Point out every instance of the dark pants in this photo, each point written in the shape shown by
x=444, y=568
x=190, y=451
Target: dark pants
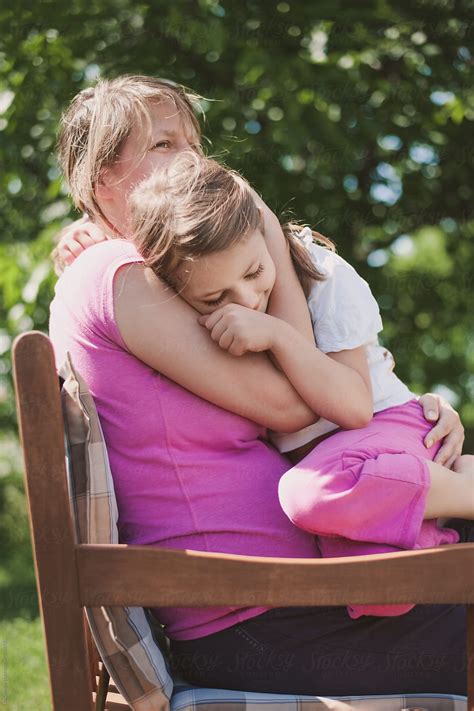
x=322, y=651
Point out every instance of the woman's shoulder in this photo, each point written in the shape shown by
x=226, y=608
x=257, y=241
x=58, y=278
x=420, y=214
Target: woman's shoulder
x=84, y=292
x=100, y=256
x=95, y=265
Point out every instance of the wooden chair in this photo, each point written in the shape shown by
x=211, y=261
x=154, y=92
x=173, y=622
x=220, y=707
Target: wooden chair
x=71, y=576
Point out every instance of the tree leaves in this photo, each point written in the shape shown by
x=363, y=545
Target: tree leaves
x=359, y=119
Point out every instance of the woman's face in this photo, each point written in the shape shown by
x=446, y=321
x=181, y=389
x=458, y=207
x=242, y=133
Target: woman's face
x=167, y=138
x=242, y=274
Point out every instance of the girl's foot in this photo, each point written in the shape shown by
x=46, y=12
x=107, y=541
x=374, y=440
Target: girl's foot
x=464, y=464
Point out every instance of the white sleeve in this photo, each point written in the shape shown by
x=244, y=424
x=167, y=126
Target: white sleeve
x=344, y=312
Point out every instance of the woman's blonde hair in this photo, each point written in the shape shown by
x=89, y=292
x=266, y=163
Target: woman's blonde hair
x=99, y=119
x=197, y=206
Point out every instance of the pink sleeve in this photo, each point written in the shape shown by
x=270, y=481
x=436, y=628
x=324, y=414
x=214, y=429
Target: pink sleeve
x=82, y=310
x=107, y=303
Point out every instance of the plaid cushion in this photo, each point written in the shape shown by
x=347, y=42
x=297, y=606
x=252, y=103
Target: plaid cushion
x=122, y=634
x=128, y=646
x=192, y=699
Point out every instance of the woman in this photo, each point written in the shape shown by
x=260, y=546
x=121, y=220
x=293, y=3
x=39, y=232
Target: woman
x=185, y=424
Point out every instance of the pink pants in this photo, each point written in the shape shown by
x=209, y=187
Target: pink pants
x=364, y=491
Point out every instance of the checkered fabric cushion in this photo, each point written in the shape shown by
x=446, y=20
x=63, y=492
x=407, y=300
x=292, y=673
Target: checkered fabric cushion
x=123, y=635
x=192, y=699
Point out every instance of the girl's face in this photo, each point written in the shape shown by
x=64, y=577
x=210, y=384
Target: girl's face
x=167, y=138
x=242, y=274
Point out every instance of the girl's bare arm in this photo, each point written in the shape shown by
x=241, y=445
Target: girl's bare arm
x=336, y=386
x=287, y=300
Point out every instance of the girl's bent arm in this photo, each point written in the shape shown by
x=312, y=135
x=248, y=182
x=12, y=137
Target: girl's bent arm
x=287, y=300
x=337, y=385
x=160, y=329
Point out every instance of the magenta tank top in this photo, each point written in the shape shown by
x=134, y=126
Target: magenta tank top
x=187, y=474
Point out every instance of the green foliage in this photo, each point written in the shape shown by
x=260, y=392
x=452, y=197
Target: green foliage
x=17, y=579
x=356, y=116
x=13, y=524
x=24, y=679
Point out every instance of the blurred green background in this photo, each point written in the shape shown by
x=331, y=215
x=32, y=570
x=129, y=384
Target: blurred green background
x=356, y=117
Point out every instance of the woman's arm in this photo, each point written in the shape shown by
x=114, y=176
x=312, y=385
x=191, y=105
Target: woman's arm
x=336, y=386
x=160, y=329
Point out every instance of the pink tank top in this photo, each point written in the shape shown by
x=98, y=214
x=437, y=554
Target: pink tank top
x=187, y=474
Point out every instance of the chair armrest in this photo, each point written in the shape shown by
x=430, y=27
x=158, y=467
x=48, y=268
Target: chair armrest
x=157, y=577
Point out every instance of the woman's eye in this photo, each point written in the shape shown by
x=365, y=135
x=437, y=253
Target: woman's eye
x=162, y=144
x=256, y=273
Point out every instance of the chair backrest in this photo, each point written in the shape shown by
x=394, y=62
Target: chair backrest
x=67, y=507
x=72, y=575
x=42, y=434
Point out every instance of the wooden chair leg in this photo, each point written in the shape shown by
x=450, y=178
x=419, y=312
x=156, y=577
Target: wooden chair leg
x=92, y=654
x=102, y=689
x=42, y=434
x=470, y=657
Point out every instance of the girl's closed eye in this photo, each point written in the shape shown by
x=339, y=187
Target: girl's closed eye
x=216, y=302
x=253, y=275
x=256, y=273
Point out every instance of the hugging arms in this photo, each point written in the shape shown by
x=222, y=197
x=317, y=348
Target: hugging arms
x=189, y=474
x=252, y=385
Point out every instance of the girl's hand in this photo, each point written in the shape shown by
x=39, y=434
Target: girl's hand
x=73, y=240
x=238, y=329
x=437, y=409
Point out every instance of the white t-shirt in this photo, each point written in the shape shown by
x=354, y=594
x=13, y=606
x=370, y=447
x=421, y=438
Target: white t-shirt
x=345, y=315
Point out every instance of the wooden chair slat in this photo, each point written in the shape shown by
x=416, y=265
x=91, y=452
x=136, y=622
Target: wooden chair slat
x=94, y=657
x=115, y=702
x=42, y=435
x=206, y=579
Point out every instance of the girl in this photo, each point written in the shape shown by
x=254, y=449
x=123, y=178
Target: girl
x=199, y=229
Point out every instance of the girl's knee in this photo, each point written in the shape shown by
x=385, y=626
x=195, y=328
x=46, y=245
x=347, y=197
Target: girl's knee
x=307, y=501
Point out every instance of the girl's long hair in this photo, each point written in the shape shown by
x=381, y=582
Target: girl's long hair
x=197, y=206
x=300, y=256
